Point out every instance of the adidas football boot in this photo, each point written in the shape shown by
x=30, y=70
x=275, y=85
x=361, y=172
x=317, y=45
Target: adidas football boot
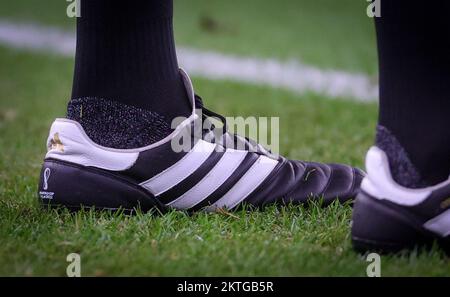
x=388, y=217
x=191, y=169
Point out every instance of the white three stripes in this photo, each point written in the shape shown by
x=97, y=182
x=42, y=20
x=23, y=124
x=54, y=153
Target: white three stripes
x=247, y=184
x=180, y=170
x=224, y=168
x=214, y=179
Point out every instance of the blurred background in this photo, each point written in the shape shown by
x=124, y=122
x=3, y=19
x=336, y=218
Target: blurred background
x=325, y=33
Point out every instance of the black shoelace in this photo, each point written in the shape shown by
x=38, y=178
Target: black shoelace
x=207, y=114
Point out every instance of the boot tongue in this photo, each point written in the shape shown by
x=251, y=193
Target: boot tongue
x=198, y=102
x=189, y=88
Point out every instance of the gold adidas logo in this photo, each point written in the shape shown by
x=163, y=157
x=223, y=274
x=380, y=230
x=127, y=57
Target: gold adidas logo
x=56, y=144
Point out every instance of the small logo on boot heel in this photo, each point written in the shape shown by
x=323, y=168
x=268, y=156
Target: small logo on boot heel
x=56, y=143
x=47, y=173
x=44, y=194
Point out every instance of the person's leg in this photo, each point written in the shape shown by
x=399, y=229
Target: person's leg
x=413, y=139
x=414, y=65
x=126, y=87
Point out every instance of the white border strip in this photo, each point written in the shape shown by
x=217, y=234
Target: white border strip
x=293, y=75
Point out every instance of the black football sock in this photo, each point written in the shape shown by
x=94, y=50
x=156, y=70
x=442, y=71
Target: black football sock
x=414, y=65
x=127, y=87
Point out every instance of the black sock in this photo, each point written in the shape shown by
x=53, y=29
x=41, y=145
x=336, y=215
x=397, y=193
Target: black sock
x=126, y=54
x=414, y=65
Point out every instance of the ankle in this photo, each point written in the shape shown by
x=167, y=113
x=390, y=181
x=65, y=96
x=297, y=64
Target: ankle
x=117, y=125
x=403, y=171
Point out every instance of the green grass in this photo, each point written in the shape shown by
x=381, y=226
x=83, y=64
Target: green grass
x=324, y=33
x=287, y=241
